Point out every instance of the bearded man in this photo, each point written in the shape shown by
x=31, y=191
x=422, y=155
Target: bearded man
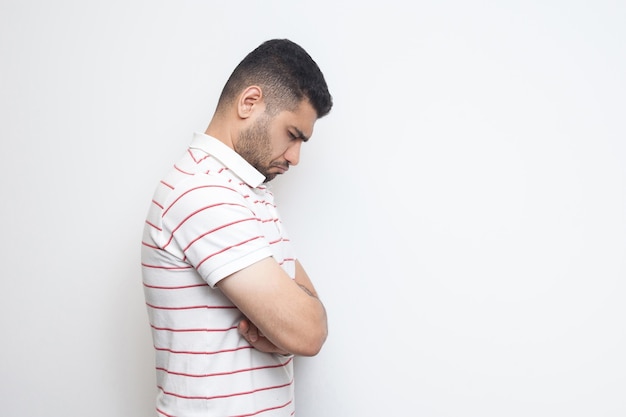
x=228, y=302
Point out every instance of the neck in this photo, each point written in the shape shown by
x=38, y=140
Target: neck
x=221, y=131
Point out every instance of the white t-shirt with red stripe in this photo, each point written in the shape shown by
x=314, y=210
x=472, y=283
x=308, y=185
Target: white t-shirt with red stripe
x=212, y=215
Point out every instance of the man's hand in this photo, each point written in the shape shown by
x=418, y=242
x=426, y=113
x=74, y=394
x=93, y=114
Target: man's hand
x=253, y=335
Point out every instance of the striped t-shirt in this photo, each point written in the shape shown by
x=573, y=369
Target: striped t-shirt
x=210, y=217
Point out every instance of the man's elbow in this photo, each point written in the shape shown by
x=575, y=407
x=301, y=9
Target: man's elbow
x=309, y=344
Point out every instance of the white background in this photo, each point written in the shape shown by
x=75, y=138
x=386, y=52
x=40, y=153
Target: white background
x=461, y=210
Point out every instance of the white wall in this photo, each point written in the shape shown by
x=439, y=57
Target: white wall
x=461, y=210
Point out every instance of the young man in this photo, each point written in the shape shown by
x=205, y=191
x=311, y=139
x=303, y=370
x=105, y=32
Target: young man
x=228, y=302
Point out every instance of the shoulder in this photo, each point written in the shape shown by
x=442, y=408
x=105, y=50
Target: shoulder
x=209, y=197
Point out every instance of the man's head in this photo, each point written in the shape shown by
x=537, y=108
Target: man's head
x=285, y=72
x=270, y=104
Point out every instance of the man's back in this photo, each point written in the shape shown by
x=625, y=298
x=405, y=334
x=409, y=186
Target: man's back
x=206, y=221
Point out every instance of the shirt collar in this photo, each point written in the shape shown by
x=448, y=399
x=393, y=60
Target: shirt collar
x=227, y=156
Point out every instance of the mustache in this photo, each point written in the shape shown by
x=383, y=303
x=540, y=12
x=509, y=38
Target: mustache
x=284, y=165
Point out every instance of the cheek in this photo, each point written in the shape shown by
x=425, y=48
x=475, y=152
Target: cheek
x=278, y=147
x=278, y=154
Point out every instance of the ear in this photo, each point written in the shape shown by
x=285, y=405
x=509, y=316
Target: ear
x=250, y=99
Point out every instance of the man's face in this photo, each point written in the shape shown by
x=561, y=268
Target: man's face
x=271, y=145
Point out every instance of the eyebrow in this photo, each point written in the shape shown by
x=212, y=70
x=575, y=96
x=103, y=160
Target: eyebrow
x=300, y=134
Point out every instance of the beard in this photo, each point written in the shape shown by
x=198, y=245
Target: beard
x=254, y=145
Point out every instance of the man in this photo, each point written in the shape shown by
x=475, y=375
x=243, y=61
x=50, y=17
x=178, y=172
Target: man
x=228, y=302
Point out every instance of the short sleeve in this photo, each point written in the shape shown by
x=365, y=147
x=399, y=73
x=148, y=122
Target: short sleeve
x=213, y=226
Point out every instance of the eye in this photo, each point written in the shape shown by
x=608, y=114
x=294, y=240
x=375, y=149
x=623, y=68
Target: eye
x=296, y=134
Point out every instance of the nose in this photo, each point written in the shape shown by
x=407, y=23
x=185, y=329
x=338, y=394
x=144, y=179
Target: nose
x=292, y=154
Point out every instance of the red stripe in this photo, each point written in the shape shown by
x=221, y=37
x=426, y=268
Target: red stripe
x=186, y=352
x=152, y=225
x=181, y=171
x=273, y=242
x=150, y=246
x=182, y=287
x=189, y=308
x=194, y=189
x=169, y=268
x=278, y=407
x=166, y=184
x=228, y=248
x=165, y=414
x=169, y=329
x=285, y=260
x=197, y=161
x=215, y=397
x=193, y=214
x=223, y=373
x=215, y=230
x=157, y=204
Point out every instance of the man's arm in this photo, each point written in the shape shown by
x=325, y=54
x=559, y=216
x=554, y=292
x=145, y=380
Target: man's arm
x=286, y=311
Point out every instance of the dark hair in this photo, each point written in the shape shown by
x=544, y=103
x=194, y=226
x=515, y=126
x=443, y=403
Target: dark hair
x=285, y=72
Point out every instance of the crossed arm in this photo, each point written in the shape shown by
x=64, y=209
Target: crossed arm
x=282, y=315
